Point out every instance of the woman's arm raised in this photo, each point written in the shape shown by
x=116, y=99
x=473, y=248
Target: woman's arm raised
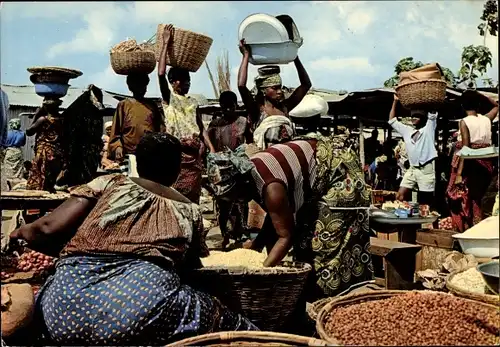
x=247, y=98
x=301, y=91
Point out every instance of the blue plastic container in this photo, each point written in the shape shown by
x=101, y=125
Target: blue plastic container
x=51, y=89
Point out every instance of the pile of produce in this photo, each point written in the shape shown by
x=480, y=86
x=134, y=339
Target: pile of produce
x=132, y=46
x=35, y=261
x=405, y=209
x=470, y=280
x=240, y=257
x=425, y=319
x=446, y=224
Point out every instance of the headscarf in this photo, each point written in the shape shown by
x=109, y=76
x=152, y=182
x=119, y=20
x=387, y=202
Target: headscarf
x=15, y=124
x=266, y=81
x=224, y=168
x=273, y=129
x=108, y=125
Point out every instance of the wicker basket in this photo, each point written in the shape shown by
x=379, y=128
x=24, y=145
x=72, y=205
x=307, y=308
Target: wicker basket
x=422, y=94
x=486, y=298
x=249, y=338
x=316, y=307
x=53, y=70
x=138, y=62
x=187, y=50
x=268, y=296
x=364, y=297
x=49, y=78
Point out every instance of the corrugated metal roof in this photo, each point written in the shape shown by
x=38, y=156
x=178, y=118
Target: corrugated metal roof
x=26, y=96
x=201, y=99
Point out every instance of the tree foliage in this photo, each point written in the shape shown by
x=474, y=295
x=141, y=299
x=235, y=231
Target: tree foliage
x=477, y=57
x=408, y=64
x=489, y=18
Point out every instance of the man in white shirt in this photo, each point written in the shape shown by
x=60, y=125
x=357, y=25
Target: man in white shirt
x=421, y=150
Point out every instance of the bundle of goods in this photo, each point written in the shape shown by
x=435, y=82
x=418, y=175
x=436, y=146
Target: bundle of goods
x=446, y=224
x=408, y=318
x=435, y=279
x=422, y=88
x=403, y=209
x=482, y=240
x=471, y=284
x=52, y=81
x=248, y=338
x=187, y=49
x=128, y=58
x=267, y=296
x=18, y=304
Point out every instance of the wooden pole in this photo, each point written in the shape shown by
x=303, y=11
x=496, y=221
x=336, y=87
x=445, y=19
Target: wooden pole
x=361, y=144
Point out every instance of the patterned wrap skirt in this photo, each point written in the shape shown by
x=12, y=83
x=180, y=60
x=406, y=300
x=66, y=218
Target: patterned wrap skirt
x=114, y=300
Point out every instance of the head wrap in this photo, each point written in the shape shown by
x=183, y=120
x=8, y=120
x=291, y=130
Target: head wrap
x=272, y=130
x=268, y=81
x=108, y=125
x=55, y=102
x=224, y=168
x=15, y=124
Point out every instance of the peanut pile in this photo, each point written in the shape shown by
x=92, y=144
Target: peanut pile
x=415, y=319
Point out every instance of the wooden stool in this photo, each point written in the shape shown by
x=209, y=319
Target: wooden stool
x=399, y=262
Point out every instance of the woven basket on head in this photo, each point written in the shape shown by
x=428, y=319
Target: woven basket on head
x=52, y=70
x=49, y=78
x=249, y=338
x=353, y=299
x=187, y=50
x=137, y=62
x=486, y=298
x=268, y=297
x=422, y=94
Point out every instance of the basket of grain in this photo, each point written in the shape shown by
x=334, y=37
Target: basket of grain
x=267, y=296
x=187, y=50
x=469, y=283
x=408, y=318
x=249, y=338
x=128, y=58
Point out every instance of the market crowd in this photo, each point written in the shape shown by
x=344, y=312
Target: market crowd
x=124, y=243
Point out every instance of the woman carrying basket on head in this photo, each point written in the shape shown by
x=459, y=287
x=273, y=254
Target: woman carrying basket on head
x=269, y=109
x=125, y=243
x=183, y=120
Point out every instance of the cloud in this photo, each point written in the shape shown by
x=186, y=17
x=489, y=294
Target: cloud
x=101, y=24
x=350, y=65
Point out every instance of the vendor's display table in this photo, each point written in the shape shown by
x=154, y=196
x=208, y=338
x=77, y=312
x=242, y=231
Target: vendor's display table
x=31, y=199
x=404, y=228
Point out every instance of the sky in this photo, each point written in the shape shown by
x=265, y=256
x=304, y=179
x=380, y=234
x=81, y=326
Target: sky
x=348, y=45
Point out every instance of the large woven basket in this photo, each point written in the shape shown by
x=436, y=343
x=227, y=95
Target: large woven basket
x=422, y=94
x=249, y=338
x=187, y=50
x=486, y=298
x=136, y=62
x=354, y=299
x=267, y=296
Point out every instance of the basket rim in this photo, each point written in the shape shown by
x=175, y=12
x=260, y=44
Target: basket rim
x=251, y=336
x=185, y=31
x=387, y=293
x=431, y=80
x=292, y=268
x=313, y=310
x=56, y=69
x=488, y=298
x=132, y=52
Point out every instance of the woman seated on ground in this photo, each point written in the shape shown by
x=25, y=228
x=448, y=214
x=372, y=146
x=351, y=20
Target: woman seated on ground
x=117, y=281
x=269, y=109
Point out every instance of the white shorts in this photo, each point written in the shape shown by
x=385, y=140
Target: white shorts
x=423, y=177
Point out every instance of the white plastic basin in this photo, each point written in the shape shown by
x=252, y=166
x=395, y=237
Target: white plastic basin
x=262, y=28
x=480, y=248
x=274, y=53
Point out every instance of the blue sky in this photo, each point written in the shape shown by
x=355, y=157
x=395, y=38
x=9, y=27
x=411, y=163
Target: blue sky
x=348, y=45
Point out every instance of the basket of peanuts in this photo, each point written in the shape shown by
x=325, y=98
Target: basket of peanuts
x=408, y=318
x=129, y=57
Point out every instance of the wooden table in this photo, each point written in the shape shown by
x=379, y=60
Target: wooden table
x=404, y=228
x=20, y=200
x=486, y=156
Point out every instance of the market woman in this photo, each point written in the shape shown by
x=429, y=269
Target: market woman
x=316, y=201
x=117, y=280
x=469, y=179
x=269, y=109
x=184, y=122
x=13, y=160
x=48, y=162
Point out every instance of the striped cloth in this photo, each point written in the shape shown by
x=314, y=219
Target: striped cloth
x=292, y=163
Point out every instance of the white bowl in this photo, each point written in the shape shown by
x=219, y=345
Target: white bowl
x=262, y=28
x=480, y=248
x=274, y=53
